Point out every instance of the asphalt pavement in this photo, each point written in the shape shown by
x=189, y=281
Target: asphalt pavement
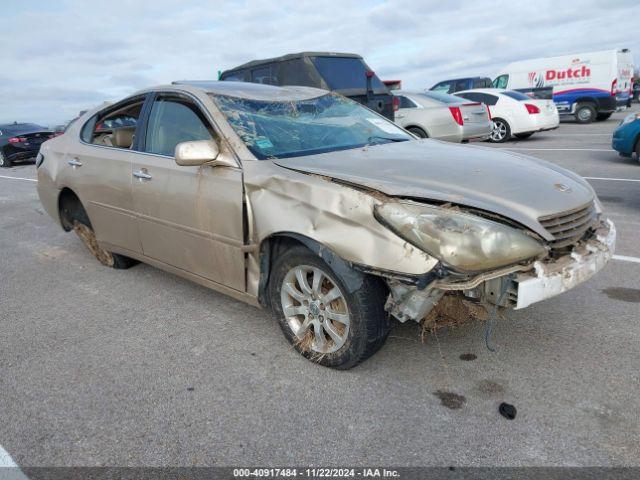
x=141, y=368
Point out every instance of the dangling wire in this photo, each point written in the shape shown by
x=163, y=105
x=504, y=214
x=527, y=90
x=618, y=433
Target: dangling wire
x=494, y=313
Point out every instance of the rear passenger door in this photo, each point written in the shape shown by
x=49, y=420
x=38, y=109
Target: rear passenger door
x=98, y=169
x=189, y=218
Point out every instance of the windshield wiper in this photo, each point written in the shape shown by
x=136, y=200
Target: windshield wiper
x=373, y=139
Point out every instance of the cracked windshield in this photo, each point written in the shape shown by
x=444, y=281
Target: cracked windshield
x=306, y=127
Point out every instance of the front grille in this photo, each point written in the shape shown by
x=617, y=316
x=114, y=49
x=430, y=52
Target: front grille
x=570, y=226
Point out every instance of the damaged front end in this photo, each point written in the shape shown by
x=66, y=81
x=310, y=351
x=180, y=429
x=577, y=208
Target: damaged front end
x=452, y=295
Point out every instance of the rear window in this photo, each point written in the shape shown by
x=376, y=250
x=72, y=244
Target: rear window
x=516, y=95
x=441, y=97
x=345, y=73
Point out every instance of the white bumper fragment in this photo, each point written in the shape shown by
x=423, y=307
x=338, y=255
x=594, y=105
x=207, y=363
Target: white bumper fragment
x=551, y=279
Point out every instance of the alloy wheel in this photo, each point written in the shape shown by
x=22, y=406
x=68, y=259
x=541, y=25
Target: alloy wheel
x=315, y=309
x=499, y=131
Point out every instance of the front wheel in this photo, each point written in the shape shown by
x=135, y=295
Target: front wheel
x=501, y=131
x=4, y=161
x=318, y=315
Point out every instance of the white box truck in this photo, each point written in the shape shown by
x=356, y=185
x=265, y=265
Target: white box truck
x=589, y=86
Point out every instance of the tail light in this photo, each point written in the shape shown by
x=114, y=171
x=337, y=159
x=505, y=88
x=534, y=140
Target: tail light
x=17, y=140
x=532, y=109
x=396, y=103
x=614, y=86
x=457, y=115
x=489, y=112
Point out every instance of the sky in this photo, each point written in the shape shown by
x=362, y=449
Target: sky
x=60, y=57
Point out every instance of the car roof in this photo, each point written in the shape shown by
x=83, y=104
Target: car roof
x=251, y=91
x=291, y=56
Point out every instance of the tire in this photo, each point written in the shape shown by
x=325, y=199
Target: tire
x=82, y=227
x=585, y=113
x=368, y=324
x=523, y=135
x=501, y=131
x=4, y=161
x=418, y=132
x=602, y=116
x=636, y=150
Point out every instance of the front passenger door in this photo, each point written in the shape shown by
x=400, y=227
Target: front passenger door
x=188, y=217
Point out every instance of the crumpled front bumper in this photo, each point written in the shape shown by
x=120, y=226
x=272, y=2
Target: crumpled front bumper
x=548, y=279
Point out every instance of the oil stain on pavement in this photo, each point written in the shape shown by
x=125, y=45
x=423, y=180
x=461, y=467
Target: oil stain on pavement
x=451, y=400
x=631, y=295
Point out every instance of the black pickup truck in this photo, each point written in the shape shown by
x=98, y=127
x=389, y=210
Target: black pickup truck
x=345, y=73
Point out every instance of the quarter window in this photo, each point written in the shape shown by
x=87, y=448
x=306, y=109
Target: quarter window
x=173, y=121
x=115, y=127
x=405, y=102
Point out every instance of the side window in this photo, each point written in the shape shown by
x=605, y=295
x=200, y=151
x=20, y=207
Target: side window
x=172, y=121
x=473, y=96
x=501, y=81
x=264, y=75
x=234, y=77
x=489, y=99
x=405, y=102
x=443, y=87
x=461, y=85
x=114, y=127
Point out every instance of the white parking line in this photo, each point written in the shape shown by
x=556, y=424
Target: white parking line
x=558, y=149
x=20, y=178
x=624, y=258
x=613, y=179
x=9, y=469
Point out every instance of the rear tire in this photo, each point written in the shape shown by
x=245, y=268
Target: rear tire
x=636, y=151
x=418, y=132
x=76, y=217
x=4, y=161
x=305, y=322
x=585, y=113
x=501, y=131
x=523, y=135
x=602, y=116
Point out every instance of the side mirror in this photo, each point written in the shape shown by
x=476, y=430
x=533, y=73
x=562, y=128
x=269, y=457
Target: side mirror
x=189, y=154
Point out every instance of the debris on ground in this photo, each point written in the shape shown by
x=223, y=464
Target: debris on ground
x=507, y=410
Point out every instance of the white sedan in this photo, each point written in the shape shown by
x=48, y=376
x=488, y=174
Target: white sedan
x=514, y=113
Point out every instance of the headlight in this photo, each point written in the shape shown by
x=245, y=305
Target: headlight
x=630, y=118
x=459, y=240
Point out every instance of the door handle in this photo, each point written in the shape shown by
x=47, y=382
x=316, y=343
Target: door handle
x=142, y=174
x=74, y=162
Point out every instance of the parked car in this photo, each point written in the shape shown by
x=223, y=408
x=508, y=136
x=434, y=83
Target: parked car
x=308, y=203
x=588, y=86
x=626, y=138
x=345, y=73
x=21, y=141
x=442, y=116
x=459, y=84
x=514, y=113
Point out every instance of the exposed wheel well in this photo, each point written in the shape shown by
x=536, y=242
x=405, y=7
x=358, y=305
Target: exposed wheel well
x=71, y=209
x=276, y=244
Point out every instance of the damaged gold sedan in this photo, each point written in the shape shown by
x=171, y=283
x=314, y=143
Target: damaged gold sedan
x=307, y=203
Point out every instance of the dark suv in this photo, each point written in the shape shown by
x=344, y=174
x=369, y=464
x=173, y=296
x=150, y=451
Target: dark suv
x=459, y=84
x=345, y=73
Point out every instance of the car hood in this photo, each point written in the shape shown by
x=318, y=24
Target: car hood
x=515, y=186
